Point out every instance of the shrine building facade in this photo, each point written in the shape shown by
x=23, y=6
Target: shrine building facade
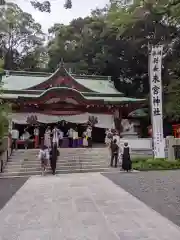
x=51, y=98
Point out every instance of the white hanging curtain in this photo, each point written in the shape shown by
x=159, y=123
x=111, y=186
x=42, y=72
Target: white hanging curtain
x=21, y=118
x=103, y=120
x=79, y=118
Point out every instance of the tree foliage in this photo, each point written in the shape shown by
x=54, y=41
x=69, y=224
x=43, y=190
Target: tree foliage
x=4, y=108
x=115, y=40
x=20, y=35
x=43, y=6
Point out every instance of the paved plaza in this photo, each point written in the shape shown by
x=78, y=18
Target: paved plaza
x=158, y=189
x=80, y=207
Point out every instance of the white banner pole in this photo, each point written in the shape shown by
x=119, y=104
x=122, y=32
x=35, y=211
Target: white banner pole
x=155, y=67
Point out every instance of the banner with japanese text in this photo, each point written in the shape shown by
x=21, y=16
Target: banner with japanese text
x=155, y=66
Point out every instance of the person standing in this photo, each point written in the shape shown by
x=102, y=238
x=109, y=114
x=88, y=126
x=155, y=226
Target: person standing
x=114, y=152
x=85, y=142
x=36, y=137
x=61, y=136
x=70, y=136
x=47, y=137
x=75, y=138
x=54, y=153
x=108, y=137
x=44, y=158
x=15, y=137
x=126, y=158
x=26, y=137
x=89, y=136
x=55, y=137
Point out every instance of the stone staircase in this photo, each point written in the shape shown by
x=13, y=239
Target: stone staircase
x=74, y=160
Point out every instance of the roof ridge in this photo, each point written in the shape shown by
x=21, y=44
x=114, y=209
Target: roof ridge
x=26, y=73
x=93, y=77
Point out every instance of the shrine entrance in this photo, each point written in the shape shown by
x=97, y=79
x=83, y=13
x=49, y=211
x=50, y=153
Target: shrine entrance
x=64, y=123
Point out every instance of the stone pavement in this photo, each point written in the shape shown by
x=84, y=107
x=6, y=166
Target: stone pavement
x=158, y=189
x=80, y=207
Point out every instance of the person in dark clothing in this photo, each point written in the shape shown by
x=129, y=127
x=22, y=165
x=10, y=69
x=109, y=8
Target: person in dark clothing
x=114, y=152
x=126, y=158
x=54, y=153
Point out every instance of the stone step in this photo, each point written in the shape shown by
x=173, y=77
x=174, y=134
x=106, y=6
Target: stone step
x=63, y=160
x=25, y=156
x=69, y=162
x=67, y=156
x=76, y=166
x=59, y=165
x=58, y=171
x=64, y=150
x=26, y=162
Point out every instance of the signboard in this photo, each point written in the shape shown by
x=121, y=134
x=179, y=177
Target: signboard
x=155, y=66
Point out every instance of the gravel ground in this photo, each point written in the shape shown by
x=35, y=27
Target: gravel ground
x=159, y=190
x=8, y=187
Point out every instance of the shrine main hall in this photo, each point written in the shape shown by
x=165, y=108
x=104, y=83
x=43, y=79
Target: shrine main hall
x=63, y=96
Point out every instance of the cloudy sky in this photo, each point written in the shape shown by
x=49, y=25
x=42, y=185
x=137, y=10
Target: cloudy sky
x=81, y=8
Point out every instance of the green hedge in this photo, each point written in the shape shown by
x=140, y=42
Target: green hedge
x=144, y=164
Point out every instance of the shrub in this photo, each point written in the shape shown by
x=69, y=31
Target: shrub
x=155, y=164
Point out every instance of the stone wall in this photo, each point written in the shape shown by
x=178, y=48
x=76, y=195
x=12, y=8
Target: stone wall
x=138, y=143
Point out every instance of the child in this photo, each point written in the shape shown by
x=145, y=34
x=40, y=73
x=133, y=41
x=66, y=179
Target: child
x=44, y=157
x=114, y=152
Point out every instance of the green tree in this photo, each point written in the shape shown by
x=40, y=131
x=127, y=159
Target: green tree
x=43, y=6
x=4, y=108
x=114, y=41
x=20, y=35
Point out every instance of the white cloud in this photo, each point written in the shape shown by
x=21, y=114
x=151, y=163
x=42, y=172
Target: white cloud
x=81, y=8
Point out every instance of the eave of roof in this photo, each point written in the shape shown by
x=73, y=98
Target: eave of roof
x=21, y=82
x=34, y=94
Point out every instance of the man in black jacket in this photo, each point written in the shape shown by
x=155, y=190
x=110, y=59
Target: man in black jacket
x=114, y=152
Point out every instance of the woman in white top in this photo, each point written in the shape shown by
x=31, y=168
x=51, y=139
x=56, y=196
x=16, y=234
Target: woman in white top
x=47, y=137
x=25, y=137
x=89, y=136
x=36, y=137
x=108, y=137
x=55, y=138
